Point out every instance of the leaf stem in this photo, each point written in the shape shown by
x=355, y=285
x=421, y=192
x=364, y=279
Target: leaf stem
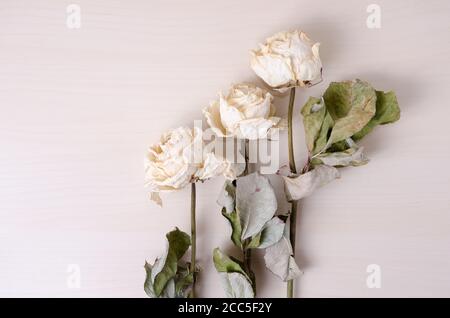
x=193, y=238
x=293, y=168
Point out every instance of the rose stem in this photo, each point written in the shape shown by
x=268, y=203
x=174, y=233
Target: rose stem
x=293, y=218
x=246, y=154
x=247, y=252
x=193, y=238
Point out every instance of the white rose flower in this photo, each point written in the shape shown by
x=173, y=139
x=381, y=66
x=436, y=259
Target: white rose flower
x=180, y=158
x=213, y=166
x=246, y=112
x=287, y=59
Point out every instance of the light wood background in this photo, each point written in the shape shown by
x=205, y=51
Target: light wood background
x=78, y=108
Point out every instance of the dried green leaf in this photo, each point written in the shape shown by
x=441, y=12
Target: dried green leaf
x=223, y=263
x=148, y=284
x=313, y=112
x=338, y=146
x=317, y=123
x=255, y=241
x=169, y=290
x=183, y=281
x=324, y=134
x=387, y=111
x=236, y=230
x=351, y=104
x=178, y=244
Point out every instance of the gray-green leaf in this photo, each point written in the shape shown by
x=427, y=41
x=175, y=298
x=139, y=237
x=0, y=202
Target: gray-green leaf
x=350, y=157
x=256, y=203
x=227, y=197
x=236, y=285
x=301, y=186
x=279, y=259
x=235, y=280
x=271, y=233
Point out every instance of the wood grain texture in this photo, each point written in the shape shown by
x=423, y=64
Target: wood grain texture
x=78, y=107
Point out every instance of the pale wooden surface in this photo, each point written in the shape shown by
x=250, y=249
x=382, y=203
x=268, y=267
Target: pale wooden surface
x=79, y=107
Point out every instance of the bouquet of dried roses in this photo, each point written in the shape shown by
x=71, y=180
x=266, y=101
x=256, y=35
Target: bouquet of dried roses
x=334, y=123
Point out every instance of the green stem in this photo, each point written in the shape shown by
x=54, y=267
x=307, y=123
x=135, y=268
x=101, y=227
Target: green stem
x=246, y=155
x=247, y=252
x=290, y=129
x=193, y=238
x=292, y=234
x=293, y=217
x=248, y=260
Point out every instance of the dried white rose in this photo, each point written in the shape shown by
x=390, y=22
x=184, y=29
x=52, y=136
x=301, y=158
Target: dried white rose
x=287, y=59
x=180, y=158
x=245, y=112
x=212, y=166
